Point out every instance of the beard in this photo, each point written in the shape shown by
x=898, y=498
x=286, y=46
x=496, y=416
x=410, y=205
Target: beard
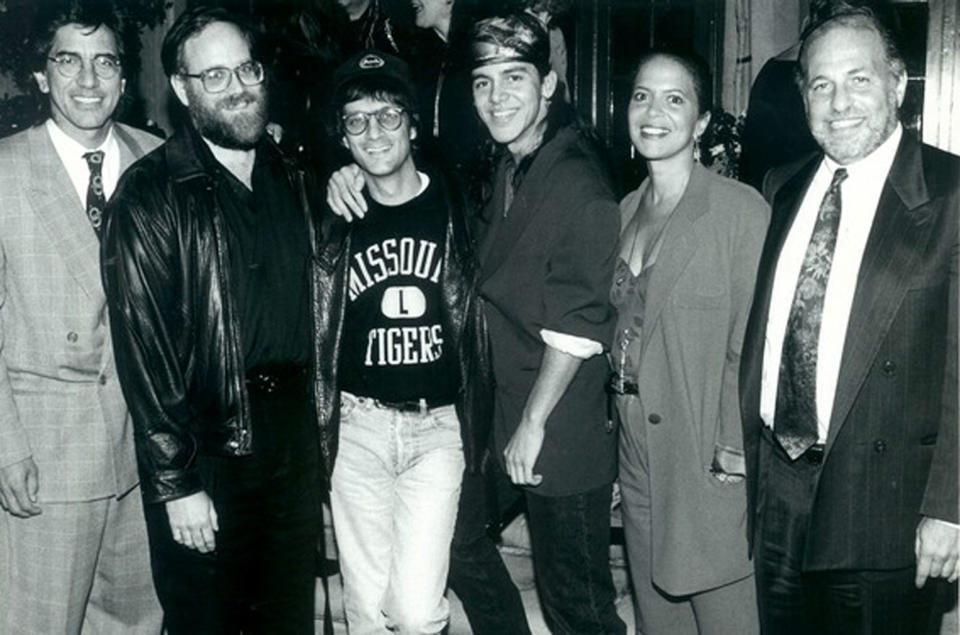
x=225, y=128
x=844, y=147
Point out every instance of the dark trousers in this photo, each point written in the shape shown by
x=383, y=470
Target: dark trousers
x=477, y=573
x=570, y=540
x=841, y=602
x=260, y=579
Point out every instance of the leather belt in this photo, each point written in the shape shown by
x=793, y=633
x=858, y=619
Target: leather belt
x=813, y=455
x=421, y=405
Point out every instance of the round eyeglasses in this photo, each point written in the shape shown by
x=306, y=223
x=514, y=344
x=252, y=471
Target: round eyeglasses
x=217, y=79
x=69, y=65
x=388, y=119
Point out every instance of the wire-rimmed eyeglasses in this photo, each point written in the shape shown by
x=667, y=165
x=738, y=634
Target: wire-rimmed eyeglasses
x=218, y=78
x=389, y=118
x=69, y=65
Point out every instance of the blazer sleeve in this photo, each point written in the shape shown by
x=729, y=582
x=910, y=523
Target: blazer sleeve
x=14, y=446
x=140, y=265
x=753, y=217
x=940, y=498
x=580, y=270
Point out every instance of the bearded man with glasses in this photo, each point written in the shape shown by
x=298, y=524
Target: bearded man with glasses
x=73, y=546
x=206, y=263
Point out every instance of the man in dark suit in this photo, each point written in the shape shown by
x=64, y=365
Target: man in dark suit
x=849, y=374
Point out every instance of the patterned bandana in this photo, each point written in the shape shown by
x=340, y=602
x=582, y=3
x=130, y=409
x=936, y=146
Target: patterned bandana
x=511, y=38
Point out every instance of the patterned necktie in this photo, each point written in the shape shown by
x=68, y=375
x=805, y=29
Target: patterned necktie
x=795, y=421
x=96, y=200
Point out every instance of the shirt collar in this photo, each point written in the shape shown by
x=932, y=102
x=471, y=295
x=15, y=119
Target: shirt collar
x=67, y=146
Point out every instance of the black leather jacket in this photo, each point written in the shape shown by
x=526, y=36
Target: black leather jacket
x=463, y=326
x=175, y=328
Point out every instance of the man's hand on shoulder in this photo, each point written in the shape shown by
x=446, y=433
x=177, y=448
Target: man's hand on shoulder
x=19, y=485
x=344, y=193
x=193, y=521
x=937, y=547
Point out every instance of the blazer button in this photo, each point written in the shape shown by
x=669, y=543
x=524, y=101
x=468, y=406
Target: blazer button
x=72, y=337
x=880, y=446
x=889, y=368
x=103, y=380
x=654, y=418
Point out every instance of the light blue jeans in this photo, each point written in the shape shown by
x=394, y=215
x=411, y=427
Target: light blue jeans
x=395, y=489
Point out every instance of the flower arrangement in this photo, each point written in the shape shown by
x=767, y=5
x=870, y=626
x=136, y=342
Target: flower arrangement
x=719, y=146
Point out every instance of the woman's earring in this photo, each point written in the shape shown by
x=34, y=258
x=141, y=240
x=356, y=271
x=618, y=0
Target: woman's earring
x=696, y=149
x=633, y=152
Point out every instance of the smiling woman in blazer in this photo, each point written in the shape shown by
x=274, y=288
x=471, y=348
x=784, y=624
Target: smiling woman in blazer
x=689, y=248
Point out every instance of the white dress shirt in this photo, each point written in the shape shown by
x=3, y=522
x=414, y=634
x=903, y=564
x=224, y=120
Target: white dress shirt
x=859, y=196
x=71, y=155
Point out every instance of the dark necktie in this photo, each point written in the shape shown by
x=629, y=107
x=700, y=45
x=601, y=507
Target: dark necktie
x=795, y=421
x=96, y=200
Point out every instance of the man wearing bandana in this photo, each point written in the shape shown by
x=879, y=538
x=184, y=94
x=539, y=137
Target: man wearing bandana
x=548, y=235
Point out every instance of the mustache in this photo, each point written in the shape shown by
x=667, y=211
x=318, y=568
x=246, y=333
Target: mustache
x=239, y=99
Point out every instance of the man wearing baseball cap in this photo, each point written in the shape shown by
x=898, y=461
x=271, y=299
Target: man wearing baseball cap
x=399, y=420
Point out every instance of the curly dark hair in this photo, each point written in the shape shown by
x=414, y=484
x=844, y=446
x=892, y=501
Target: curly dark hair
x=92, y=14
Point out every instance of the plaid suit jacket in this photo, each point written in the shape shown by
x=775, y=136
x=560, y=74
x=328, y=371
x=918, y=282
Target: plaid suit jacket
x=60, y=400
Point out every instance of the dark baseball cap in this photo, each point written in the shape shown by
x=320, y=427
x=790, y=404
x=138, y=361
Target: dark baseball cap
x=373, y=64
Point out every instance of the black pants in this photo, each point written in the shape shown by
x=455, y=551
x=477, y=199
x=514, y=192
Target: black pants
x=570, y=541
x=841, y=602
x=260, y=578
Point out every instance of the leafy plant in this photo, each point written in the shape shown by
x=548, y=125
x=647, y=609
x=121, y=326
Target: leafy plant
x=719, y=147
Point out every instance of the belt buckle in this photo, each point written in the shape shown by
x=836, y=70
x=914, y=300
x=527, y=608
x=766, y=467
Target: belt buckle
x=410, y=406
x=263, y=382
x=814, y=454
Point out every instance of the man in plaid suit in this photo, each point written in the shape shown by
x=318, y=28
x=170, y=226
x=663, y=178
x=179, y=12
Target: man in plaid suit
x=73, y=548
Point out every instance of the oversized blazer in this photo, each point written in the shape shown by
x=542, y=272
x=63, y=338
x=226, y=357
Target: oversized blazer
x=547, y=263
x=695, y=312
x=60, y=401
x=891, y=450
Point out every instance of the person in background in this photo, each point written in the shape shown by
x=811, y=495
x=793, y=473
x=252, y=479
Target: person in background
x=775, y=129
x=206, y=262
x=73, y=546
x=369, y=27
x=849, y=372
x=689, y=245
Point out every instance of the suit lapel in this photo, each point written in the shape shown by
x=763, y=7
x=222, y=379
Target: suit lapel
x=130, y=150
x=785, y=204
x=896, y=240
x=679, y=245
x=526, y=205
x=55, y=202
